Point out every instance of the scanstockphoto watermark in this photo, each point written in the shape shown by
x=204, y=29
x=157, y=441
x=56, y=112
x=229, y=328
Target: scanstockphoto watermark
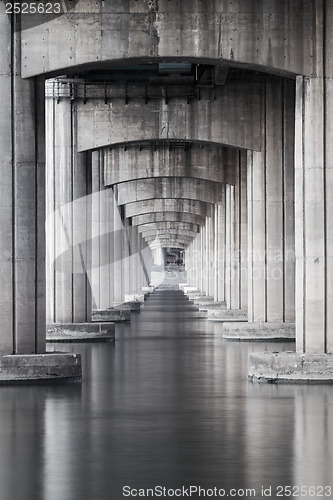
x=187, y=492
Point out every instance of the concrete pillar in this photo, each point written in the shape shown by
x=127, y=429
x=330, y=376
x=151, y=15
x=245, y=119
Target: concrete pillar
x=271, y=254
x=68, y=227
x=314, y=241
x=102, y=237
x=221, y=244
x=22, y=219
x=118, y=285
x=271, y=242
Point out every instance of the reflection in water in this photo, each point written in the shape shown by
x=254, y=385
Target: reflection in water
x=168, y=404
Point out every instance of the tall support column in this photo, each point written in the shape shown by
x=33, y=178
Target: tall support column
x=313, y=359
x=314, y=241
x=118, y=284
x=271, y=254
x=68, y=225
x=102, y=237
x=22, y=219
x=221, y=237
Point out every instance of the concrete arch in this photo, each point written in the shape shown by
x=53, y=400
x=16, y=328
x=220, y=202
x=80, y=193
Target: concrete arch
x=169, y=217
x=169, y=159
x=250, y=33
x=192, y=207
x=159, y=226
x=168, y=187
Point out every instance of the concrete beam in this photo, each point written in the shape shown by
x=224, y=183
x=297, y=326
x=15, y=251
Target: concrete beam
x=248, y=33
x=154, y=206
x=231, y=119
x=168, y=226
x=204, y=161
x=169, y=187
x=162, y=233
x=169, y=217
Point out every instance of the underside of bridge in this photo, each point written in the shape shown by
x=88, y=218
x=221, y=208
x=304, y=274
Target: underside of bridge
x=198, y=129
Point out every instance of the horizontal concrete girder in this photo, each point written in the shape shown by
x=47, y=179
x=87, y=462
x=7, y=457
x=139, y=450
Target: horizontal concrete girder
x=173, y=237
x=158, y=217
x=198, y=161
x=168, y=226
x=171, y=232
x=154, y=206
x=232, y=118
x=169, y=187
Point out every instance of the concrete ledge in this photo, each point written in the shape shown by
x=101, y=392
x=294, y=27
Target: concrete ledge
x=291, y=368
x=275, y=332
x=206, y=305
x=34, y=368
x=133, y=306
x=115, y=315
x=149, y=289
x=225, y=315
x=80, y=332
x=136, y=297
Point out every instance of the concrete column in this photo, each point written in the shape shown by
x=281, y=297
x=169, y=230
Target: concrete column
x=118, y=286
x=221, y=243
x=230, y=215
x=211, y=254
x=271, y=259
x=314, y=240
x=102, y=237
x=22, y=221
x=68, y=219
x=22, y=246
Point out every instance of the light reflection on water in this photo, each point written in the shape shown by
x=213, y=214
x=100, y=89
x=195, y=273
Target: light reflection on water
x=168, y=404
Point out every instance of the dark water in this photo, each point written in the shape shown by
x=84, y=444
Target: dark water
x=167, y=405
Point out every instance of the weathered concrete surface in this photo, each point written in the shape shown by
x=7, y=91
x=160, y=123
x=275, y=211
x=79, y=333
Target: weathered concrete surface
x=226, y=315
x=291, y=367
x=128, y=306
x=278, y=35
x=159, y=217
x=101, y=124
x=259, y=331
x=80, y=332
x=113, y=314
x=33, y=368
x=169, y=187
x=161, y=205
x=201, y=162
x=22, y=206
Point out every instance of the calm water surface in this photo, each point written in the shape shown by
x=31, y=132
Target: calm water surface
x=167, y=405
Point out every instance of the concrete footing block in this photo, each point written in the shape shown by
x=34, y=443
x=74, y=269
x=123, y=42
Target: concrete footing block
x=80, y=332
x=291, y=367
x=222, y=314
x=136, y=297
x=132, y=306
x=34, y=368
x=115, y=315
x=243, y=331
x=188, y=289
x=183, y=285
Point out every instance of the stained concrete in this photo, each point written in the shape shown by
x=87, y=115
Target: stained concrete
x=113, y=314
x=291, y=367
x=34, y=368
x=259, y=331
x=80, y=332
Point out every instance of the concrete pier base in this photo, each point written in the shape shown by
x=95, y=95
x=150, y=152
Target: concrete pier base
x=224, y=315
x=111, y=315
x=133, y=306
x=291, y=367
x=80, y=332
x=33, y=368
x=275, y=332
x=136, y=297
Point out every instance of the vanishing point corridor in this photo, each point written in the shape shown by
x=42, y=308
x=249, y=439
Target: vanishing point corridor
x=168, y=404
